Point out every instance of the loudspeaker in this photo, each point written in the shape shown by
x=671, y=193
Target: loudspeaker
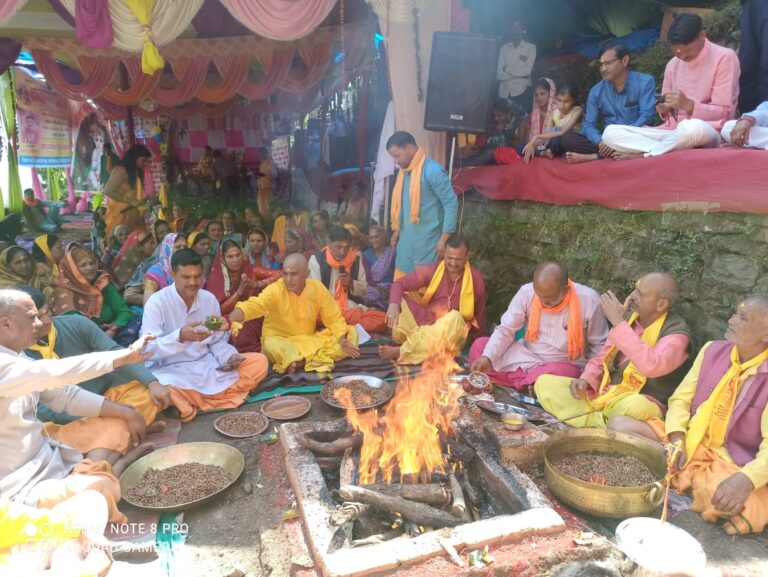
x=462, y=77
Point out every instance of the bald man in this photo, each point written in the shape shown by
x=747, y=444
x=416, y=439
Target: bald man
x=639, y=367
x=547, y=306
x=292, y=307
x=719, y=418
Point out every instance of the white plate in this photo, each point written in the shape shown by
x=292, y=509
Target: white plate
x=659, y=547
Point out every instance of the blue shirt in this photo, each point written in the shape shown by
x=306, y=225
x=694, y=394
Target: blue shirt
x=635, y=105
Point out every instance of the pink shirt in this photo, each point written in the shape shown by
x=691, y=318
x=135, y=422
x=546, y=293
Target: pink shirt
x=711, y=80
x=669, y=353
x=508, y=355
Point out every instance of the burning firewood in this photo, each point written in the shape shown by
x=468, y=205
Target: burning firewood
x=329, y=463
x=459, y=506
x=348, y=512
x=331, y=448
x=417, y=512
x=460, y=451
x=431, y=494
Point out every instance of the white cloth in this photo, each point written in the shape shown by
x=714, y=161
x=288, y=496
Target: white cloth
x=514, y=68
x=507, y=354
x=186, y=365
x=690, y=133
x=760, y=114
x=385, y=165
x=758, y=135
x=29, y=457
x=359, y=286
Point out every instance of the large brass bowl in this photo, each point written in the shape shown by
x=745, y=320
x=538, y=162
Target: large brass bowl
x=224, y=456
x=599, y=500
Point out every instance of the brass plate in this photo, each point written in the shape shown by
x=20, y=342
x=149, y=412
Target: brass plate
x=259, y=420
x=373, y=382
x=286, y=408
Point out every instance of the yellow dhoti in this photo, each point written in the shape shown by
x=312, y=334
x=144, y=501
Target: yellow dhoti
x=555, y=395
x=418, y=342
x=319, y=352
x=110, y=433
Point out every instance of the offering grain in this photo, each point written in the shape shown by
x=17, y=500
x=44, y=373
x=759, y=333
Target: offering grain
x=607, y=469
x=177, y=485
x=241, y=424
x=359, y=392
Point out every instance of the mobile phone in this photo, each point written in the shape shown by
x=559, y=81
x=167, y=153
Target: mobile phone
x=660, y=98
x=529, y=400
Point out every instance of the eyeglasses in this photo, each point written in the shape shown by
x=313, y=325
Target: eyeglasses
x=604, y=63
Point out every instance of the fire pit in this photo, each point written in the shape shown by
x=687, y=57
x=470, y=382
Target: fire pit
x=383, y=489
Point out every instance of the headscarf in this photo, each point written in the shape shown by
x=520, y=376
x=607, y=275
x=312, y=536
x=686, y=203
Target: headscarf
x=551, y=107
x=193, y=237
x=42, y=243
x=133, y=239
x=265, y=260
x=129, y=258
x=221, y=282
x=40, y=279
x=161, y=271
x=73, y=291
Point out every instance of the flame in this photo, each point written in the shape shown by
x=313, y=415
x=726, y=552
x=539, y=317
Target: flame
x=407, y=439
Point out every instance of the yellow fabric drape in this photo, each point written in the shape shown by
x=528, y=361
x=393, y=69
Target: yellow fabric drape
x=47, y=351
x=151, y=61
x=467, y=296
x=42, y=243
x=632, y=380
x=414, y=190
x=278, y=231
x=711, y=418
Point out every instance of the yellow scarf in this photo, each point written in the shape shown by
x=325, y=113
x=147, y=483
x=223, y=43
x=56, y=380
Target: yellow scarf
x=711, y=418
x=414, y=189
x=278, y=231
x=42, y=243
x=139, y=189
x=467, y=297
x=632, y=380
x=47, y=351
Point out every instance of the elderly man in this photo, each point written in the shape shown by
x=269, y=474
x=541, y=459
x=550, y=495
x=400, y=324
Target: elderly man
x=637, y=369
x=292, y=308
x=72, y=335
x=565, y=327
x=424, y=206
x=202, y=369
x=623, y=96
x=719, y=418
x=453, y=301
x=341, y=270
x=41, y=471
x=700, y=93
x=750, y=130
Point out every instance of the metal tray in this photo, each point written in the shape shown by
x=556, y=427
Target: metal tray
x=499, y=408
x=263, y=423
x=373, y=382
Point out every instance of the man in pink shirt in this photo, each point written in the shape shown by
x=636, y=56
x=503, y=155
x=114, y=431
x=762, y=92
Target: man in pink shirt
x=518, y=363
x=642, y=362
x=700, y=93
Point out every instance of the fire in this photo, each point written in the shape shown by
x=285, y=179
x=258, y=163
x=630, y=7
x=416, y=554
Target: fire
x=407, y=439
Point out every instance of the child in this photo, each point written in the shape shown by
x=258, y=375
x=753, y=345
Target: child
x=567, y=117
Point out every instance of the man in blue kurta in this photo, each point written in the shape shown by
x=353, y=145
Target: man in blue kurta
x=424, y=206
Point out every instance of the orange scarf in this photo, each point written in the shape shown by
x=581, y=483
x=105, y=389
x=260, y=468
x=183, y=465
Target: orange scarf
x=575, y=331
x=341, y=294
x=414, y=189
x=31, y=203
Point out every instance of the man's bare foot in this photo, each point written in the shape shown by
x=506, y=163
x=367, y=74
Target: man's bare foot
x=578, y=158
x=156, y=427
x=546, y=153
x=627, y=155
x=131, y=457
x=389, y=353
x=295, y=367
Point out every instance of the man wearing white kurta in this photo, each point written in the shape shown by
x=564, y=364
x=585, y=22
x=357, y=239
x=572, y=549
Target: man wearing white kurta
x=750, y=130
x=202, y=370
x=516, y=60
x=34, y=468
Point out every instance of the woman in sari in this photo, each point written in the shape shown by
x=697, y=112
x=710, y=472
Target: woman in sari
x=320, y=223
x=232, y=280
x=159, y=229
x=200, y=242
x=124, y=189
x=47, y=250
x=379, y=262
x=159, y=275
x=257, y=247
x=113, y=245
x=83, y=287
x=139, y=246
x=296, y=240
x=541, y=119
x=17, y=267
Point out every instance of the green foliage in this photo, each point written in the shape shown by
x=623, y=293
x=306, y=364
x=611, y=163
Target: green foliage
x=653, y=61
x=723, y=25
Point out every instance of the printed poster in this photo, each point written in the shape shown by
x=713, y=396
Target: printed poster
x=91, y=136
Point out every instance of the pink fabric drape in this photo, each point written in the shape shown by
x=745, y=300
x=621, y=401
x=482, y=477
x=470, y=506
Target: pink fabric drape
x=280, y=19
x=461, y=18
x=93, y=23
x=8, y=9
x=190, y=74
x=275, y=66
x=37, y=186
x=233, y=71
x=97, y=75
x=141, y=85
x=316, y=58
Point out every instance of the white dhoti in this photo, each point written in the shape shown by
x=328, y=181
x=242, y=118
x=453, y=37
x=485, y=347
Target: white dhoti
x=758, y=135
x=690, y=133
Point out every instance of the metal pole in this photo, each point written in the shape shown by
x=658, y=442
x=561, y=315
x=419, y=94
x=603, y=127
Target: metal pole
x=450, y=162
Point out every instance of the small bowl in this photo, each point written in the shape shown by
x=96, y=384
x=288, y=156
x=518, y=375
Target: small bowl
x=513, y=420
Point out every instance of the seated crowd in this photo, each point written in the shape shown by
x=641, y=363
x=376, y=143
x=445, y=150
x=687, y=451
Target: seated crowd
x=695, y=107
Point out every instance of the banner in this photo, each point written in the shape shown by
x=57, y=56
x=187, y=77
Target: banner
x=91, y=137
x=42, y=121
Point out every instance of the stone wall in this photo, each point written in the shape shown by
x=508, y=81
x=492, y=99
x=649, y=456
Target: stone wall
x=718, y=258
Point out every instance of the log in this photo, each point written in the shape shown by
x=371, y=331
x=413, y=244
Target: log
x=460, y=451
x=458, y=506
x=329, y=463
x=348, y=512
x=348, y=469
x=469, y=489
x=431, y=494
x=331, y=448
x=380, y=538
x=419, y=513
